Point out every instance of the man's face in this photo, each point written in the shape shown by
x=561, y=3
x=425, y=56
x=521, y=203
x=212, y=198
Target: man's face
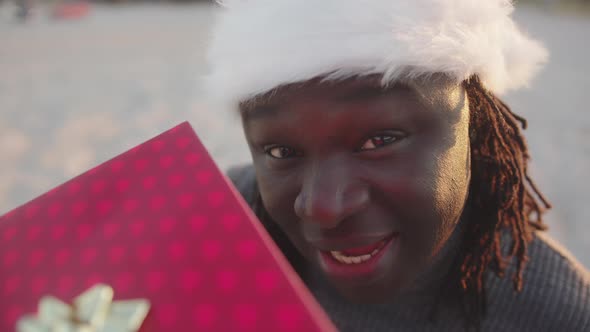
x=367, y=183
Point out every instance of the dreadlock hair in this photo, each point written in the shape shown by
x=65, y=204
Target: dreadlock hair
x=504, y=202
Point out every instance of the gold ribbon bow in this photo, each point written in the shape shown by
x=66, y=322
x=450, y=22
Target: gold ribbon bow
x=92, y=311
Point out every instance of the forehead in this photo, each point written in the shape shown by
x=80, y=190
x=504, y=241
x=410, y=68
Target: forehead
x=343, y=90
x=436, y=91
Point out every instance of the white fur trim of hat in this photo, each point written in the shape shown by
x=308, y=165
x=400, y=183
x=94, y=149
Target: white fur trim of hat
x=258, y=45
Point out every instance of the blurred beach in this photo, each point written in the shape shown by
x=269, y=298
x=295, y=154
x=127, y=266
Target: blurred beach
x=77, y=92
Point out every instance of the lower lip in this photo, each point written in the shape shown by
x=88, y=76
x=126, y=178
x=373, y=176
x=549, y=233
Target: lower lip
x=364, y=269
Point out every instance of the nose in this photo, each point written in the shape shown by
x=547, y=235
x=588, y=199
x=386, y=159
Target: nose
x=329, y=194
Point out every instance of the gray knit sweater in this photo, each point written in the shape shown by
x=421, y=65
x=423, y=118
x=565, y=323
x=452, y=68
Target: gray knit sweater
x=555, y=296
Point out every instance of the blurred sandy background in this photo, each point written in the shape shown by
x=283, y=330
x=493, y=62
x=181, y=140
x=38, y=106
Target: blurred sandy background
x=74, y=93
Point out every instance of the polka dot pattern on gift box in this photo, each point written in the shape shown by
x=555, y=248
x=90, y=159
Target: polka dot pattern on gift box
x=157, y=222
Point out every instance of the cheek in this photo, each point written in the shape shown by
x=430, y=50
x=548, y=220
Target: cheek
x=278, y=197
x=278, y=201
x=445, y=185
x=426, y=201
x=451, y=185
x=410, y=201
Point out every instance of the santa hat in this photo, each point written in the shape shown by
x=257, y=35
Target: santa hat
x=258, y=45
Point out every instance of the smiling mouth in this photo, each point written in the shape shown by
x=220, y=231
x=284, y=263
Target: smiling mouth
x=360, y=254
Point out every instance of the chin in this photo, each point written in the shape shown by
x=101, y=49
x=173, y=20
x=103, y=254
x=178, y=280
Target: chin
x=369, y=293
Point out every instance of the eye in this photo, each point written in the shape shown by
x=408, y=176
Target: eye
x=280, y=151
x=378, y=141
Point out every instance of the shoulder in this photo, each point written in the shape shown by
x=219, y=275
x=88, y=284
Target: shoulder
x=556, y=289
x=551, y=264
x=544, y=247
x=562, y=280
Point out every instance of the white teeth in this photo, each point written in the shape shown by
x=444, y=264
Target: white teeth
x=356, y=259
x=339, y=256
x=347, y=260
x=342, y=258
x=365, y=257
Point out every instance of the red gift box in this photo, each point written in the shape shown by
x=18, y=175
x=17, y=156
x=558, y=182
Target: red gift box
x=162, y=223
